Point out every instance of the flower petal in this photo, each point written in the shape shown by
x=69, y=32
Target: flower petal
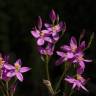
x=69, y=55
x=24, y=69
x=53, y=15
x=82, y=45
x=47, y=25
x=40, y=41
x=74, y=85
x=45, y=31
x=9, y=67
x=48, y=39
x=10, y=74
x=82, y=64
x=18, y=62
x=19, y=76
x=73, y=42
x=87, y=60
x=83, y=87
x=66, y=48
x=36, y=34
x=56, y=38
x=80, y=70
x=62, y=54
x=70, y=79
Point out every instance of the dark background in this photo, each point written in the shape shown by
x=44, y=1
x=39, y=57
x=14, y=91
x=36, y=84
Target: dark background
x=17, y=17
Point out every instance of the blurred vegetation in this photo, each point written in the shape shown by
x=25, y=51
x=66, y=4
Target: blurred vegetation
x=17, y=17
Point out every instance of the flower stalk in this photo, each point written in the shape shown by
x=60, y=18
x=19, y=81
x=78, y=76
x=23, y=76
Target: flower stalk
x=61, y=78
x=47, y=68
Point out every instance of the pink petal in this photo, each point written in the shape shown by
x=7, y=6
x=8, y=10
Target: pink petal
x=19, y=76
x=18, y=62
x=70, y=80
x=9, y=67
x=79, y=70
x=56, y=38
x=65, y=47
x=73, y=42
x=47, y=25
x=82, y=45
x=10, y=74
x=74, y=85
x=70, y=55
x=82, y=64
x=83, y=88
x=54, y=34
x=48, y=39
x=87, y=60
x=36, y=33
x=62, y=54
x=24, y=69
x=40, y=41
x=45, y=31
x=53, y=15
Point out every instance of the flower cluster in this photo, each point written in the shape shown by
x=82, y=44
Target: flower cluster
x=47, y=35
x=74, y=54
x=7, y=70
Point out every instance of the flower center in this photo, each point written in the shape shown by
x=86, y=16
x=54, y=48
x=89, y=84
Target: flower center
x=42, y=33
x=17, y=67
x=55, y=28
x=80, y=58
x=74, y=49
x=79, y=77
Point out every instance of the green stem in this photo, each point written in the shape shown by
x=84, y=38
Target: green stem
x=13, y=84
x=7, y=89
x=71, y=93
x=47, y=68
x=59, y=82
x=61, y=78
x=2, y=88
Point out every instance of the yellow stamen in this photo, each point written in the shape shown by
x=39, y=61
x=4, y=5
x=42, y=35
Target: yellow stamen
x=17, y=67
x=54, y=28
x=74, y=49
x=41, y=34
x=79, y=77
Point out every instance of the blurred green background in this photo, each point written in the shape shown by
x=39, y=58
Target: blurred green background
x=17, y=17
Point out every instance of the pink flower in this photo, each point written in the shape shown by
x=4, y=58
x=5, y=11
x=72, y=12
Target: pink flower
x=79, y=59
x=54, y=30
x=47, y=50
x=73, y=46
x=78, y=82
x=41, y=35
x=16, y=70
